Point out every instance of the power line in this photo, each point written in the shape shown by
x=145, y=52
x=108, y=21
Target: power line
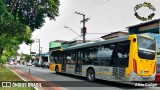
x=77, y=37
x=96, y=33
x=71, y=30
x=64, y=21
x=96, y=2
x=70, y=17
x=101, y=3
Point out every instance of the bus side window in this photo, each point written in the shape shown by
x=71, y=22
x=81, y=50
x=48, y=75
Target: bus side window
x=73, y=58
x=114, y=57
x=68, y=59
x=107, y=53
x=90, y=55
x=52, y=57
x=123, y=54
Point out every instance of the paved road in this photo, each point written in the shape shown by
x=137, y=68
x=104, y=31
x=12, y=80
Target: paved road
x=75, y=82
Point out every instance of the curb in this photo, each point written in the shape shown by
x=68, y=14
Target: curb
x=27, y=77
x=19, y=76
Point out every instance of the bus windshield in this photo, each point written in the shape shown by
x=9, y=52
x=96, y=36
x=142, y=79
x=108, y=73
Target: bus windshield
x=146, y=48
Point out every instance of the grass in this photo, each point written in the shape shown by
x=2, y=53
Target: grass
x=7, y=75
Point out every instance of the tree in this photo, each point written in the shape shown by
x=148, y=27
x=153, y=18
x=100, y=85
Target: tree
x=32, y=12
x=27, y=57
x=19, y=18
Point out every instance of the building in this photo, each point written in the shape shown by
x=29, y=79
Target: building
x=44, y=57
x=114, y=35
x=152, y=26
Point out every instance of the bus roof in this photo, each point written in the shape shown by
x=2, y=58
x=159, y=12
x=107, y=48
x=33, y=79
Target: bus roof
x=90, y=44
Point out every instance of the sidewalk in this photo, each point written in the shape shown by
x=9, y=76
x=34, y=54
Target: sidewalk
x=27, y=77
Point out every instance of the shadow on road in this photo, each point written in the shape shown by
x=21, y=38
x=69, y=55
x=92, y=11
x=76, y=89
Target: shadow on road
x=97, y=83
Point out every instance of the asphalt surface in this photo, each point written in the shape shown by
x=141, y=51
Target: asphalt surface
x=72, y=82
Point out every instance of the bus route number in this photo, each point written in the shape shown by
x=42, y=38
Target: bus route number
x=105, y=69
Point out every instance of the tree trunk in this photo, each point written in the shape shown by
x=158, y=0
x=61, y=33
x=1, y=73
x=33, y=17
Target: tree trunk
x=1, y=51
x=13, y=6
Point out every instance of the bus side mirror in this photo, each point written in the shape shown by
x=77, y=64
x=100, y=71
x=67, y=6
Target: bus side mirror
x=134, y=40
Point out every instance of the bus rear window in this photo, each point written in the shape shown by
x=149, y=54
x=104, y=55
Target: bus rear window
x=146, y=48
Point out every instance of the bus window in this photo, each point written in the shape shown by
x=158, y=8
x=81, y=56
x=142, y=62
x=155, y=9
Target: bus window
x=60, y=57
x=146, y=48
x=71, y=57
x=107, y=53
x=90, y=55
x=56, y=58
x=123, y=53
x=120, y=54
x=52, y=57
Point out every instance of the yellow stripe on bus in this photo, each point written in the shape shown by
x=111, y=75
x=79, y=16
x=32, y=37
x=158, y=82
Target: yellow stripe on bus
x=69, y=68
x=103, y=72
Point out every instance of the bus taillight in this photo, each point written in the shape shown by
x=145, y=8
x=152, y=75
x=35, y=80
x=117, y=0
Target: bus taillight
x=134, y=66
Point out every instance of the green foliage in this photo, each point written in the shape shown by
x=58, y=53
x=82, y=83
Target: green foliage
x=3, y=59
x=33, y=12
x=18, y=19
x=27, y=57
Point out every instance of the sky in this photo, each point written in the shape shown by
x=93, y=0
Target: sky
x=106, y=16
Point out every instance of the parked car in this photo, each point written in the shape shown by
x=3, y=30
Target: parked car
x=15, y=63
x=11, y=63
x=45, y=65
x=29, y=64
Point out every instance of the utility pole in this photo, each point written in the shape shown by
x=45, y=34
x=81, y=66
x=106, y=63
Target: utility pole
x=30, y=49
x=83, y=30
x=39, y=48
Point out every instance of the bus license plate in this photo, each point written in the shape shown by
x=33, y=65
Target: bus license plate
x=145, y=78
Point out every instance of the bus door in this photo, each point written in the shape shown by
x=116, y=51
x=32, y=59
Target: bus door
x=64, y=62
x=71, y=62
x=79, y=62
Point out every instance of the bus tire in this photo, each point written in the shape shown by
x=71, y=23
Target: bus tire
x=56, y=69
x=90, y=75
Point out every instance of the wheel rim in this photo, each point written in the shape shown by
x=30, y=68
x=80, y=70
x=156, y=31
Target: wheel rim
x=91, y=75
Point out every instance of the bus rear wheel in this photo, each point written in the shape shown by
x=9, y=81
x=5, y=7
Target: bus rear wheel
x=91, y=75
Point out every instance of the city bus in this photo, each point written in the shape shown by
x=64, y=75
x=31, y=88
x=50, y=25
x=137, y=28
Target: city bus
x=126, y=58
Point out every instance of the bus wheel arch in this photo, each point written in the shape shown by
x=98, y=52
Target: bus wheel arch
x=90, y=74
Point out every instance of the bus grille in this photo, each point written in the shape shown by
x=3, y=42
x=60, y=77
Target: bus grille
x=119, y=72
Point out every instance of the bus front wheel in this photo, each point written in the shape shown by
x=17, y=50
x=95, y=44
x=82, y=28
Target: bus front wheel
x=56, y=69
x=91, y=75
